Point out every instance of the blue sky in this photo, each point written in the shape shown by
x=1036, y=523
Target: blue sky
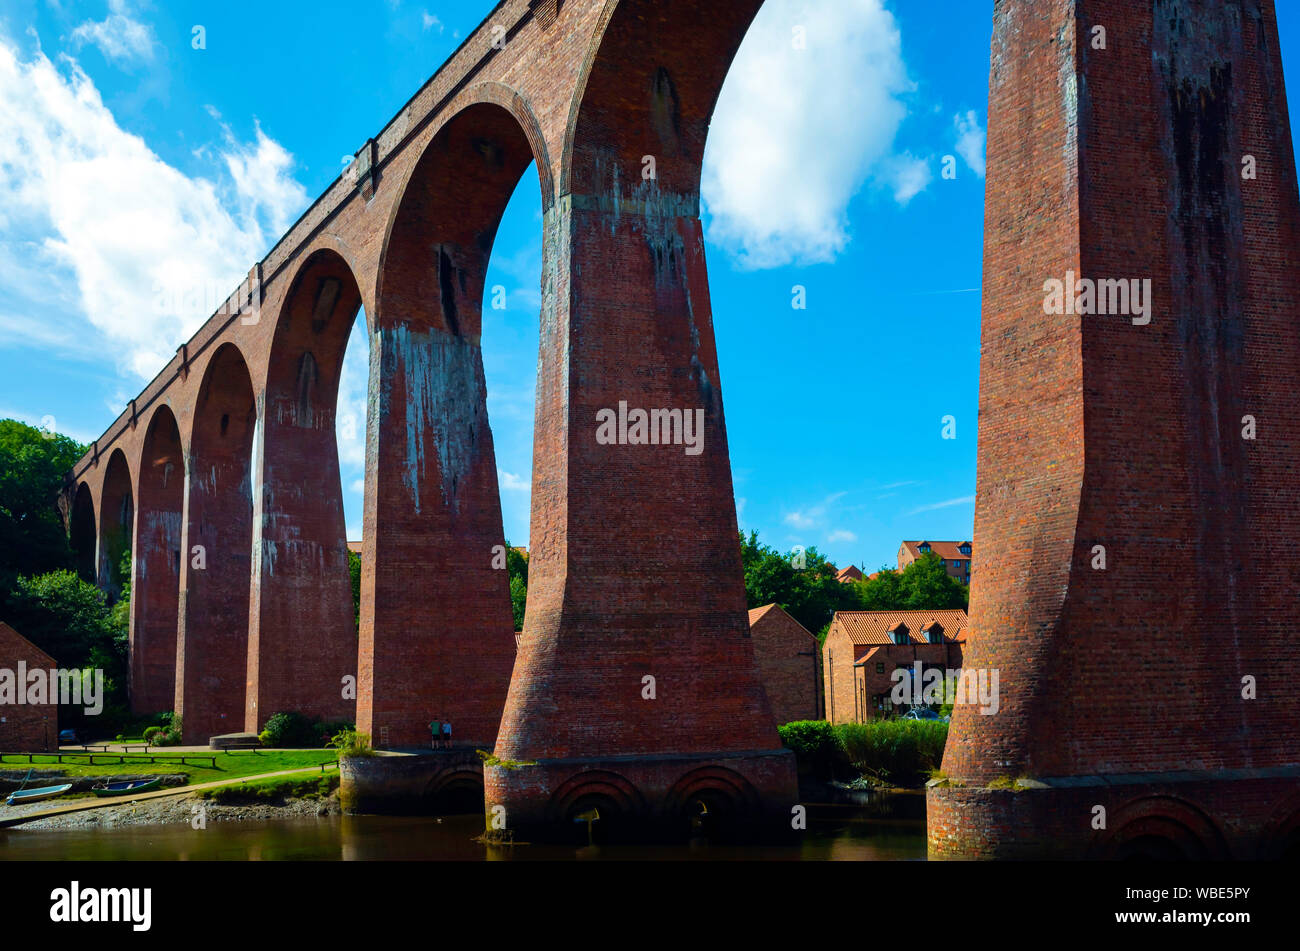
x=132, y=163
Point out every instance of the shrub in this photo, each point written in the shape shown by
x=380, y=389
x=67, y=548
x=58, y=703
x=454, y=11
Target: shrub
x=264, y=737
x=172, y=736
x=327, y=730
x=290, y=729
x=815, y=746
x=352, y=743
x=900, y=752
x=151, y=732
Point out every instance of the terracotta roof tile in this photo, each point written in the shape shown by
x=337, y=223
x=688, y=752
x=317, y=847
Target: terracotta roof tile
x=950, y=551
x=873, y=627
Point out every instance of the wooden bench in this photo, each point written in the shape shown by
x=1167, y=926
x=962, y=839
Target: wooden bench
x=127, y=749
x=243, y=745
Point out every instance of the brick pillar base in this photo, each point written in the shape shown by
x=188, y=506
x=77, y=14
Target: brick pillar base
x=743, y=797
x=1162, y=816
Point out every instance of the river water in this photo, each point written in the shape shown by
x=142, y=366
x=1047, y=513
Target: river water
x=841, y=835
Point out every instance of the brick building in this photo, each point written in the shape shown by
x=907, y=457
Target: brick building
x=26, y=727
x=956, y=556
x=863, y=648
x=785, y=654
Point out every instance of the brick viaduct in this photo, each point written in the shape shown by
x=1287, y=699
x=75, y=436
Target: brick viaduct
x=1120, y=688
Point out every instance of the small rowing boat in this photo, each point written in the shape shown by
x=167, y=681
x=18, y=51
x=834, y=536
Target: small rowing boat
x=125, y=788
x=37, y=794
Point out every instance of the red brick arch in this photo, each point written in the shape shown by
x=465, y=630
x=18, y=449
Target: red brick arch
x=83, y=532
x=212, y=634
x=1160, y=827
x=432, y=500
x=601, y=786
x=1092, y=431
x=302, y=638
x=116, y=523
x=156, y=564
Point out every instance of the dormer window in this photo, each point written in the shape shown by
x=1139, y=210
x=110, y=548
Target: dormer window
x=923, y=548
x=965, y=548
x=900, y=634
x=934, y=633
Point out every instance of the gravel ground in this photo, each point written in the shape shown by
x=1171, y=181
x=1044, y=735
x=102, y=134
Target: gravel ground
x=171, y=810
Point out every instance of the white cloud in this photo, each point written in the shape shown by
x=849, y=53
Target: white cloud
x=841, y=535
x=264, y=182
x=798, y=132
x=813, y=515
x=430, y=21
x=971, y=140
x=513, y=483
x=905, y=175
x=144, y=252
x=947, y=503
x=119, y=37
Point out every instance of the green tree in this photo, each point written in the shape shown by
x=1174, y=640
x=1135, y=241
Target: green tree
x=33, y=464
x=354, y=572
x=517, y=569
x=71, y=621
x=803, y=584
x=924, y=585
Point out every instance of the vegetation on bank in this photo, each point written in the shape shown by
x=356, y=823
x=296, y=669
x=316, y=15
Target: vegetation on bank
x=274, y=790
x=229, y=765
x=290, y=730
x=885, y=752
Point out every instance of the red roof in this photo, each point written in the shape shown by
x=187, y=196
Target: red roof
x=874, y=627
x=950, y=551
x=851, y=573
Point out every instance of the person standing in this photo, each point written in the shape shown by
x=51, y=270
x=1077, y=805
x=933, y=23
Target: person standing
x=446, y=734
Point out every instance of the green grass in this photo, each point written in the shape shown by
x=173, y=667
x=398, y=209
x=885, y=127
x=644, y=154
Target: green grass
x=230, y=765
x=276, y=789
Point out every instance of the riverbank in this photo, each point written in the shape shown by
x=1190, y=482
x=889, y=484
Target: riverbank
x=177, y=809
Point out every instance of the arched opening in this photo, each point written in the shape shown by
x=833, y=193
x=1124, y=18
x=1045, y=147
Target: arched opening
x=82, y=534
x=1158, y=829
x=116, y=526
x=212, y=640
x=301, y=597
x=155, y=587
x=455, y=794
x=596, y=808
x=434, y=501
x=712, y=805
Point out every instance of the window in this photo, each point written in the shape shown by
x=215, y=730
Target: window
x=965, y=549
x=924, y=547
x=880, y=668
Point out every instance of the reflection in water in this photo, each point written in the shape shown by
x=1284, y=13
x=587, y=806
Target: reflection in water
x=838, y=837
